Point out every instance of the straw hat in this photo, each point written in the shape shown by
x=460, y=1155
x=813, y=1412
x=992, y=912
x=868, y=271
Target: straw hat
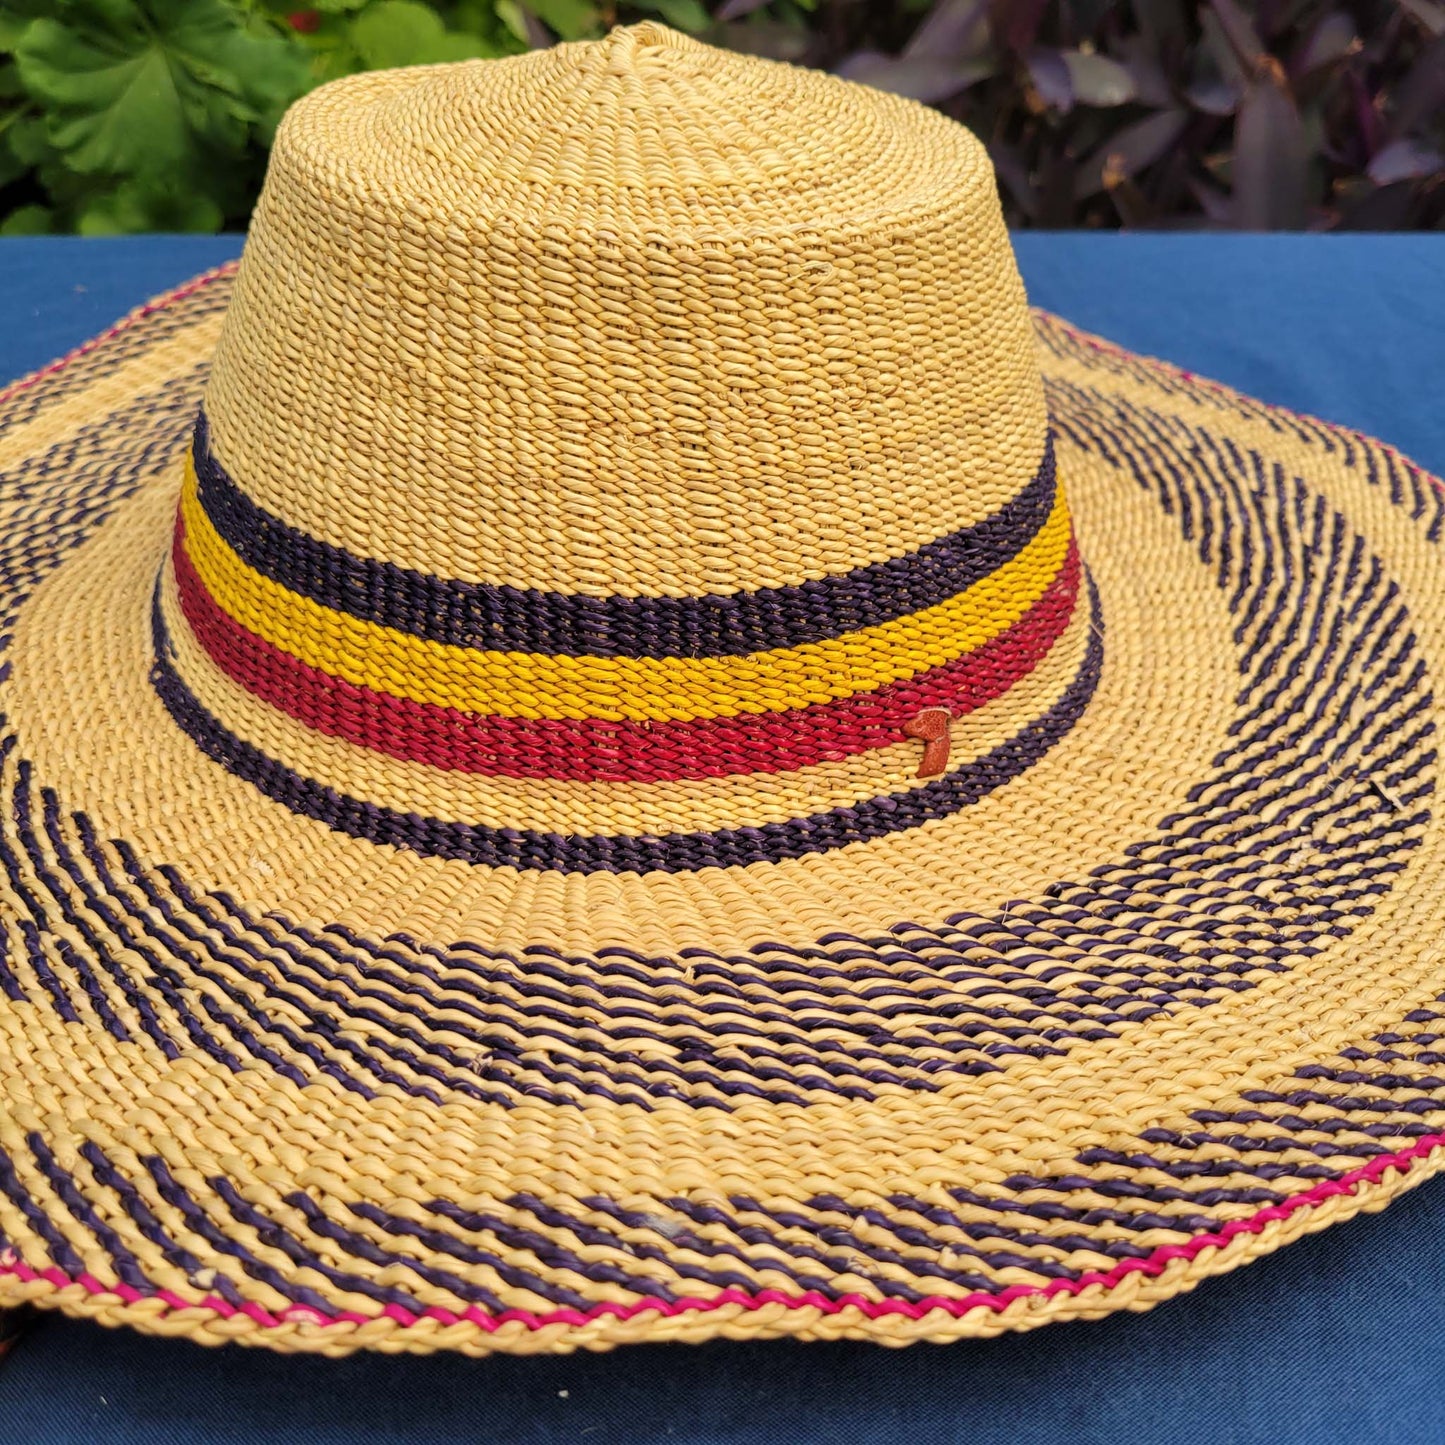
x=665, y=760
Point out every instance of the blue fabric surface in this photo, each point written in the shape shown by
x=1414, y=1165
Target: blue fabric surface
x=1348, y=328
x=1340, y=1337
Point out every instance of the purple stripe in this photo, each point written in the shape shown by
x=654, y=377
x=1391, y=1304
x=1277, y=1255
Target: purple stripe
x=61, y=1250
x=664, y=1226
x=51, y=520
x=530, y=849
x=276, y=1236
x=168, y=979
x=360, y=1247
x=971, y=1229
x=188, y=933
x=127, y=1267
x=809, y=1265
x=203, y=1228
x=9, y=983
x=504, y=1261
x=164, y=978
x=517, y=619
x=1056, y=1211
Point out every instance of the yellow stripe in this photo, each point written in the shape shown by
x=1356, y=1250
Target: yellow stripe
x=539, y=685
x=564, y=805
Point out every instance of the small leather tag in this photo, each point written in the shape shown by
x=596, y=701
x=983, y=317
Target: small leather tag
x=931, y=725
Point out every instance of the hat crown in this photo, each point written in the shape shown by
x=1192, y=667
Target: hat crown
x=645, y=132
x=618, y=407
x=628, y=317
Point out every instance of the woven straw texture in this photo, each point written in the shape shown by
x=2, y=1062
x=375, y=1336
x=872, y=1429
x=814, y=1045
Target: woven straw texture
x=609, y=740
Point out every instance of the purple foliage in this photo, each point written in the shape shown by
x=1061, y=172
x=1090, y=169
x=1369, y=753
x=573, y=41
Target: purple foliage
x=1244, y=114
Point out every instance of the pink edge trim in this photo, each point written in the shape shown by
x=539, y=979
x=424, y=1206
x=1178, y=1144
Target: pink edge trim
x=158, y=303
x=874, y=1309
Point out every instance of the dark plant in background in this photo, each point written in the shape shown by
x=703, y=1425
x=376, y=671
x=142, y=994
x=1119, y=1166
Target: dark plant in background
x=127, y=115
x=1277, y=115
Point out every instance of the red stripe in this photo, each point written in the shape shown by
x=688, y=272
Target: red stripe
x=593, y=750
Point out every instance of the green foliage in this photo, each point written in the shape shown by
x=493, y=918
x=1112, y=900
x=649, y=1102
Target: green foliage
x=128, y=114
x=136, y=115
x=403, y=32
x=133, y=115
x=127, y=92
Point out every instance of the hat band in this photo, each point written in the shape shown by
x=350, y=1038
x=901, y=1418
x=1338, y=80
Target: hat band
x=532, y=620
x=486, y=681
x=319, y=635
x=363, y=694
x=618, y=750
x=892, y=811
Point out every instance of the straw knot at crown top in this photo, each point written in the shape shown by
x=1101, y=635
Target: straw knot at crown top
x=629, y=48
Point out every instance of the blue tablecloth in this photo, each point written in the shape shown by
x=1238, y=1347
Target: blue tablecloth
x=1339, y=1338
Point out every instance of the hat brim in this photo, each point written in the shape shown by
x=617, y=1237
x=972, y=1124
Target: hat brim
x=1161, y=993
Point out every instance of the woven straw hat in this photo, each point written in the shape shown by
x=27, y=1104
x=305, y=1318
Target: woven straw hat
x=665, y=760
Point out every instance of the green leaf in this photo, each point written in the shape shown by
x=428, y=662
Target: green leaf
x=570, y=19
x=403, y=32
x=143, y=86
x=324, y=7
x=28, y=141
x=680, y=14
x=510, y=14
x=12, y=27
x=484, y=19
x=147, y=205
x=28, y=221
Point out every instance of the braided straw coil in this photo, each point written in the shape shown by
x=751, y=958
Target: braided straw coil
x=609, y=740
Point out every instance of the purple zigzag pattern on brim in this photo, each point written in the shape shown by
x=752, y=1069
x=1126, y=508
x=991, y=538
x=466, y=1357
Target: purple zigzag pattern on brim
x=42, y=529
x=306, y=970
x=526, y=1242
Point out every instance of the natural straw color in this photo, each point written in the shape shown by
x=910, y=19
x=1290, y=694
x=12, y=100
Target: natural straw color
x=482, y=863
x=629, y=284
